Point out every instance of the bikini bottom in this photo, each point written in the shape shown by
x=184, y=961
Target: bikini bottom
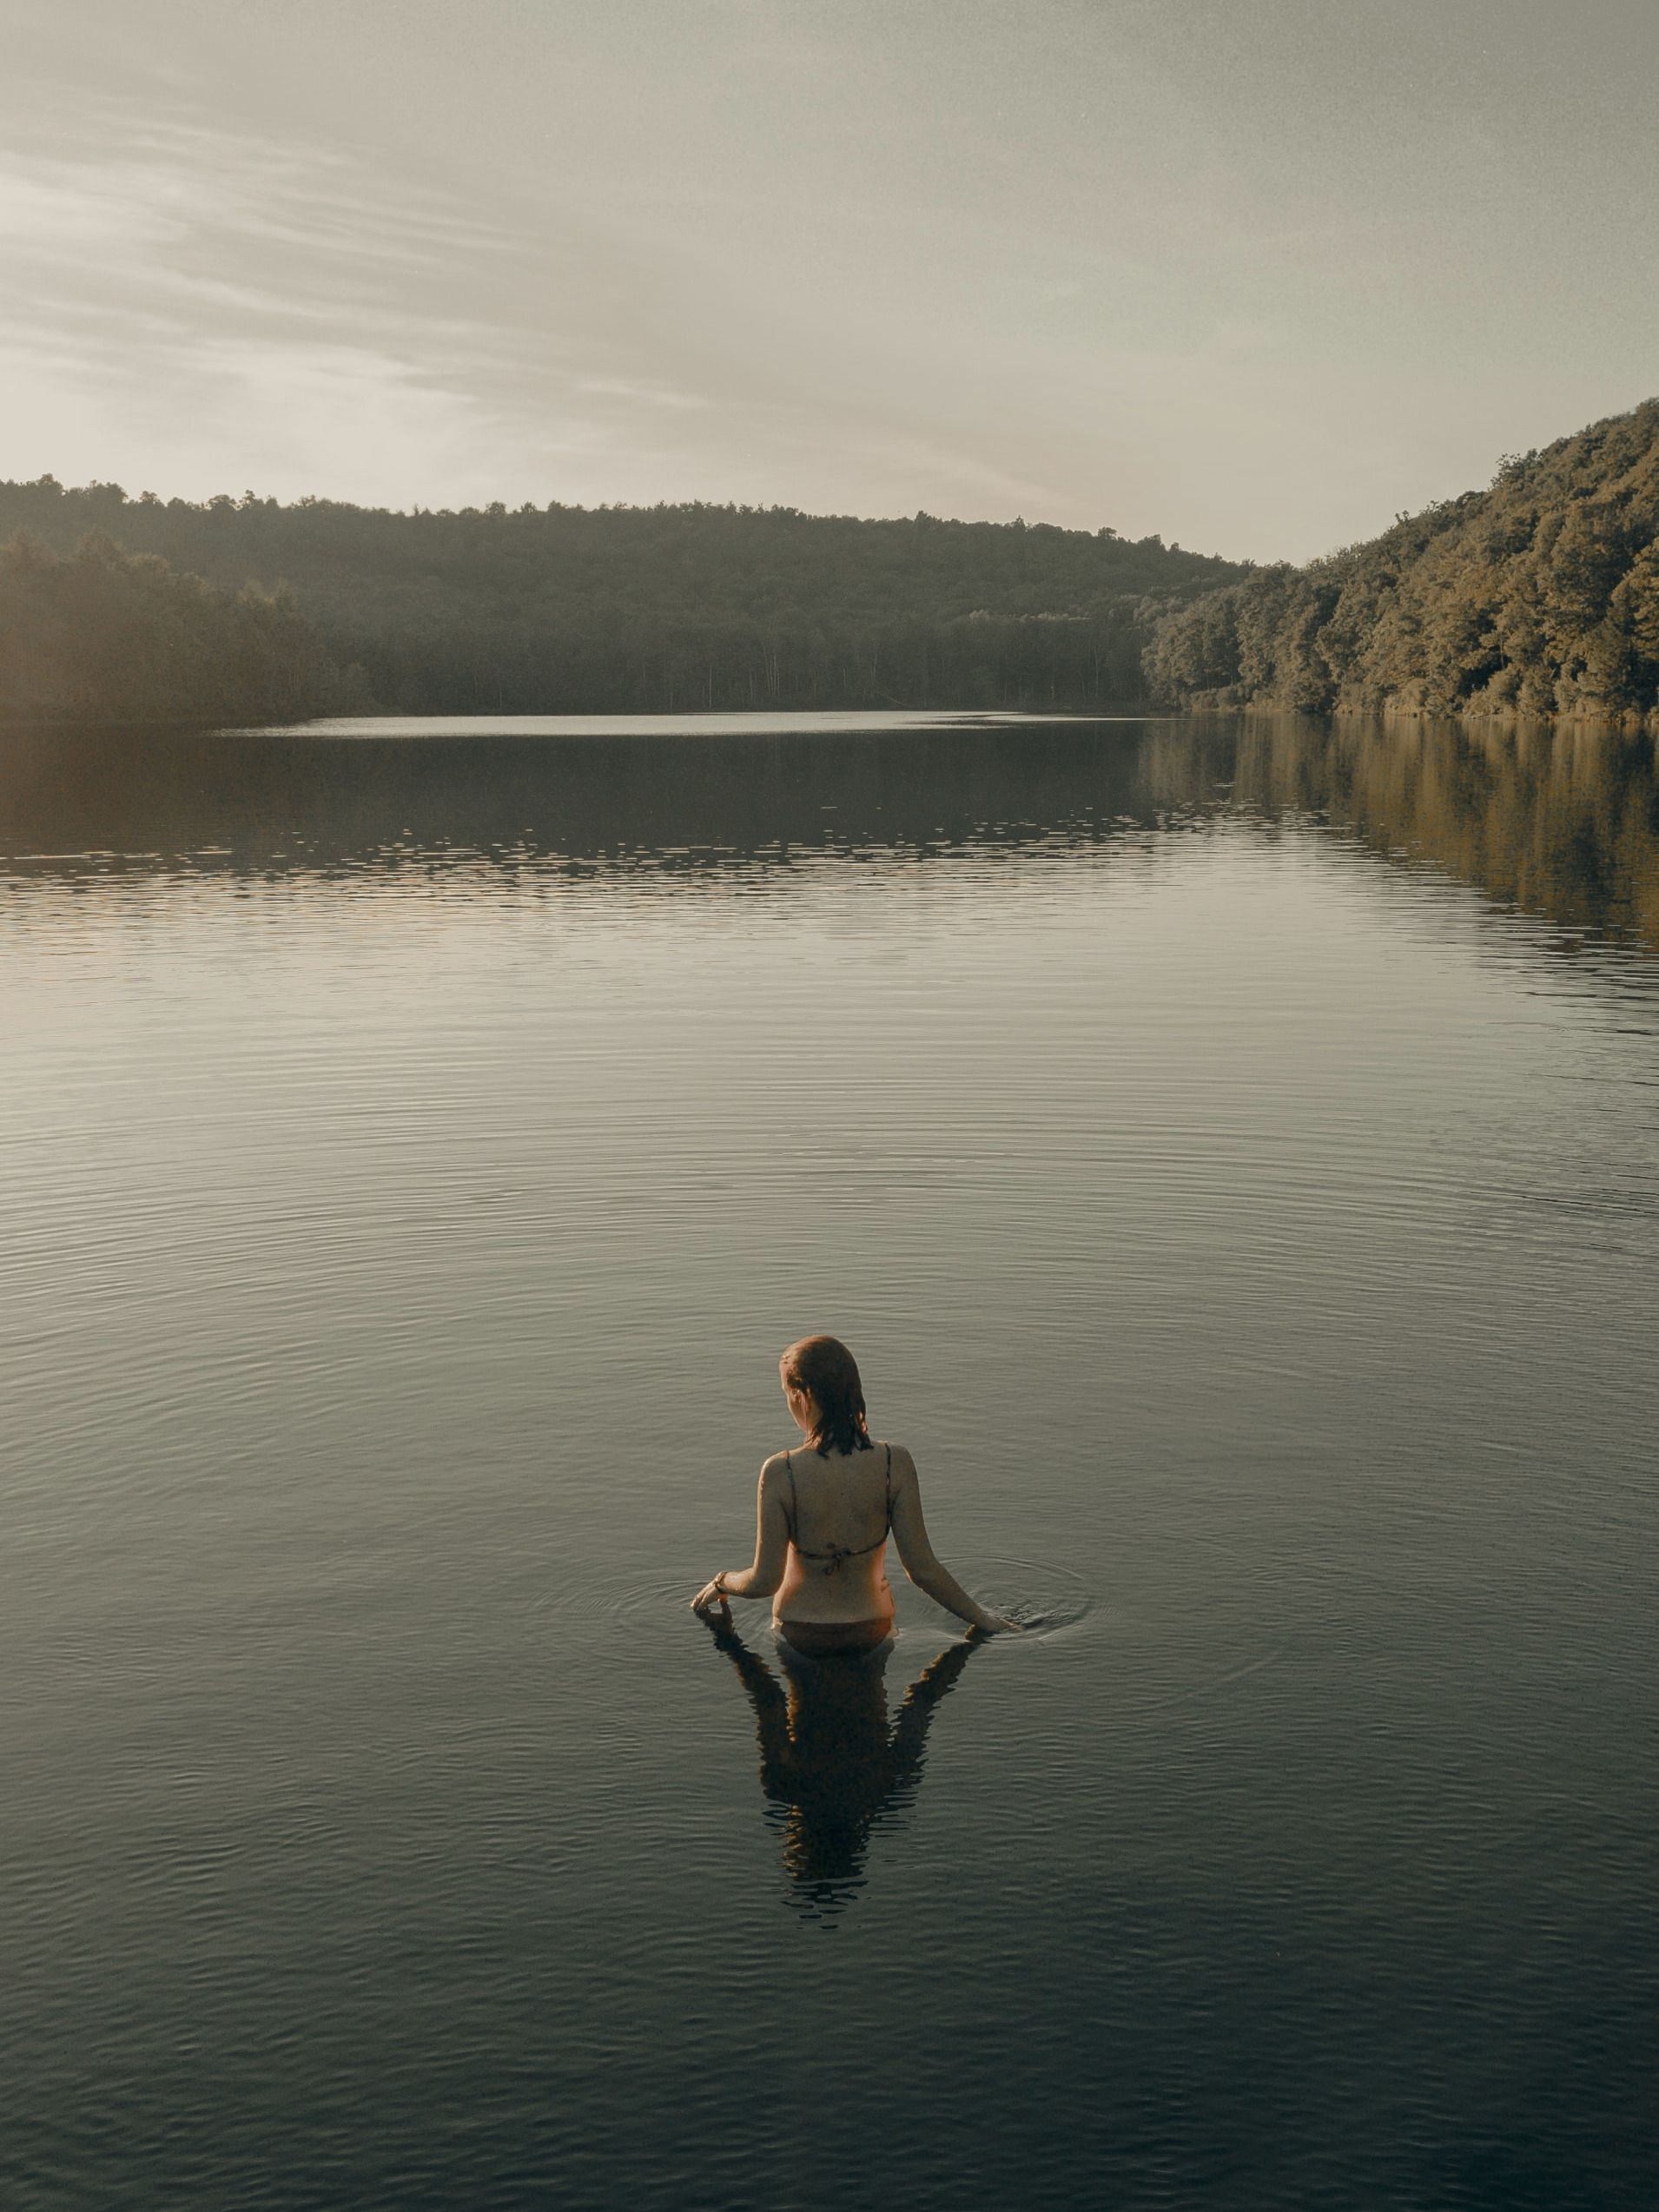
x=814, y=1639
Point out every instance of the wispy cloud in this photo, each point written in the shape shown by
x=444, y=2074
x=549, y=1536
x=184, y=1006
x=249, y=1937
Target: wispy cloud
x=321, y=320
x=313, y=315
x=1066, y=261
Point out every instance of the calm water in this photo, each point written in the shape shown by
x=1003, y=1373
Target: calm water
x=1236, y=1161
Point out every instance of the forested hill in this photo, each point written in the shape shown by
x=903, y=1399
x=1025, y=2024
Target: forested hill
x=642, y=608
x=1538, y=597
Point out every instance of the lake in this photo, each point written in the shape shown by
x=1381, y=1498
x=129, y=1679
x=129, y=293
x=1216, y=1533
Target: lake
x=1232, y=1150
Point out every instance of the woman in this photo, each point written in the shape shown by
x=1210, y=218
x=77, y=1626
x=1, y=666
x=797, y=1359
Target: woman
x=824, y=1514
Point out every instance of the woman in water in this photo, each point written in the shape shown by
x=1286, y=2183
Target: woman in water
x=825, y=1511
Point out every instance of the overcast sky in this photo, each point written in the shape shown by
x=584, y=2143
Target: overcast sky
x=1254, y=273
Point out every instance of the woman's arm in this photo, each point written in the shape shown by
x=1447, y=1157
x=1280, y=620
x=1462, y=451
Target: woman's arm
x=772, y=1547
x=921, y=1563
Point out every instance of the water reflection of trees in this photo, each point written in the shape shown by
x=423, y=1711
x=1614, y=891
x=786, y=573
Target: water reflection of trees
x=832, y=1766
x=1561, y=821
x=681, y=799
x=1558, y=820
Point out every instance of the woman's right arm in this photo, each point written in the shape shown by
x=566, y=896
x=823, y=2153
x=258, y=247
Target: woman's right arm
x=921, y=1563
x=772, y=1547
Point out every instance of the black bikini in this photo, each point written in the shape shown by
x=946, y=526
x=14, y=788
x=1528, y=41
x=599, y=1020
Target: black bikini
x=836, y=1553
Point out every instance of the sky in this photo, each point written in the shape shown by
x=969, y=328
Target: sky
x=1255, y=274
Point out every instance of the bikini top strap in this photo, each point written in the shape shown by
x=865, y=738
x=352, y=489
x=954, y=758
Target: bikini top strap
x=835, y=1553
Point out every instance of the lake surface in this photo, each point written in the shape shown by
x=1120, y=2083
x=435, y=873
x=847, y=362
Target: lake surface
x=1233, y=1154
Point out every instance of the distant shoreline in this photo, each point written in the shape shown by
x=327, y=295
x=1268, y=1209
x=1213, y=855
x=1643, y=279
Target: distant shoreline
x=672, y=721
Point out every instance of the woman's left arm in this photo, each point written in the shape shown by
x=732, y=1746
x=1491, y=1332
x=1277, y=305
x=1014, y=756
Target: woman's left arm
x=772, y=1548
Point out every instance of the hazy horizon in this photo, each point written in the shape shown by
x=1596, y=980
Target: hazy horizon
x=1254, y=284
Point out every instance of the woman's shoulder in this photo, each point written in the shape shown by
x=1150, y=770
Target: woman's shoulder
x=900, y=1459
x=777, y=1470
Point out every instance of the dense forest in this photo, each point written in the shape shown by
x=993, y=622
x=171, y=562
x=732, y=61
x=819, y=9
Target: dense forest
x=103, y=635
x=536, y=609
x=1538, y=597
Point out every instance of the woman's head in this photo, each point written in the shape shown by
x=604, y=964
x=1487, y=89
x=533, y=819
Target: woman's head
x=822, y=1370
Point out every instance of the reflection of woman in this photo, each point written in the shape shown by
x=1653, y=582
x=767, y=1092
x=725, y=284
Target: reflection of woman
x=829, y=1764
x=824, y=1514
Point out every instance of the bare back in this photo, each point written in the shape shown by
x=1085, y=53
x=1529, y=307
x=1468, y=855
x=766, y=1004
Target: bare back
x=822, y=1521
x=838, y=1509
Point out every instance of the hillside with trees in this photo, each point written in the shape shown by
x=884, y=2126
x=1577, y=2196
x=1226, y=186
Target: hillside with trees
x=100, y=635
x=640, y=609
x=1539, y=595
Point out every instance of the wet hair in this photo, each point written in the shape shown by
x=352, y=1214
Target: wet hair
x=825, y=1367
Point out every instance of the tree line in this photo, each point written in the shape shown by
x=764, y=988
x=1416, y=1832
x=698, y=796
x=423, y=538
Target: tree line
x=1538, y=596
x=672, y=607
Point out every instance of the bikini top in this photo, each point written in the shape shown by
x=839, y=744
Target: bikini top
x=836, y=1553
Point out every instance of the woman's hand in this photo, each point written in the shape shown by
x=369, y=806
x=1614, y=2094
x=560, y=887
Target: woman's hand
x=713, y=1598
